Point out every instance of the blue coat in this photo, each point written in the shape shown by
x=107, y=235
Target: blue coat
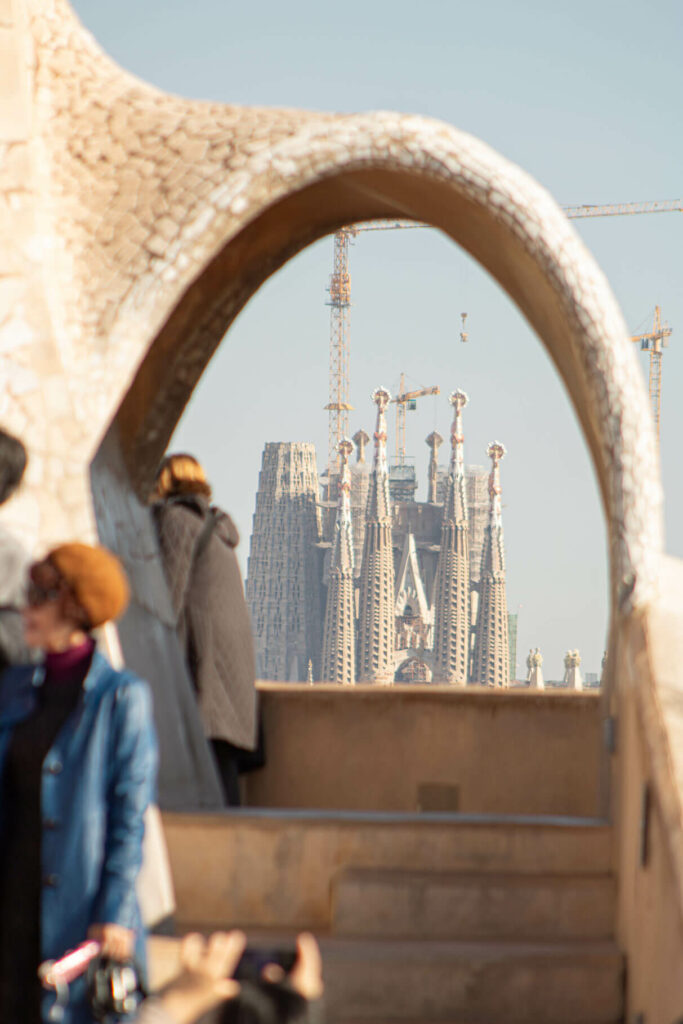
x=98, y=779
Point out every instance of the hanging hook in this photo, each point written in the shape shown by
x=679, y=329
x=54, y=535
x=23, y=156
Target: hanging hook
x=464, y=336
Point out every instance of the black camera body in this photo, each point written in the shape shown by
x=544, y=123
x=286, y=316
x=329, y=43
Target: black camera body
x=255, y=958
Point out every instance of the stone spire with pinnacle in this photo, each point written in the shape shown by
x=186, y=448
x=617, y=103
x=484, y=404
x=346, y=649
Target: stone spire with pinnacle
x=339, y=635
x=534, y=664
x=376, y=622
x=360, y=485
x=434, y=441
x=573, y=679
x=452, y=581
x=491, y=663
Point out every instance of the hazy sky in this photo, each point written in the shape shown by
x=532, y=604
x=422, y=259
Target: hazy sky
x=585, y=97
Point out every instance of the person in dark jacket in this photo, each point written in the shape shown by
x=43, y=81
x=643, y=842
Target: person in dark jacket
x=197, y=545
x=14, y=560
x=77, y=772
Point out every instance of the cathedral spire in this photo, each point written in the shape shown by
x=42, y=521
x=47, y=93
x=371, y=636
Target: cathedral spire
x=376, y=624
x=379, y=502
x=534, y=676
x=434, y=441
x=491, y=665
x=572, y=670
x=339, y=641
x=452, y=581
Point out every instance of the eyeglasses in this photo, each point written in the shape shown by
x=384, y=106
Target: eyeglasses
x=37, y=595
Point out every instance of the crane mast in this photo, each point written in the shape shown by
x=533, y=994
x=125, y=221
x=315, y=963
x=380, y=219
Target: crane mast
x=404, y=400
x=340, y=302
x=654, y=342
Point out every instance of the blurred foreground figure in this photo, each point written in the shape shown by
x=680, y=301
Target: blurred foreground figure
x=198, y=550
x=206, y=992
x=77, y=772
x=13, y=559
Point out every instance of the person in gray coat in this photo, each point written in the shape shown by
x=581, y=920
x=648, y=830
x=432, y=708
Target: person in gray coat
x=197, y=543
x=14, y=560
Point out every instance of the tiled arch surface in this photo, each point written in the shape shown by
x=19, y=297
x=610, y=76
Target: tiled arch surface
x=118, y=199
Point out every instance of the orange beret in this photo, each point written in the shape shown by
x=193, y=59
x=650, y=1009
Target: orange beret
x=95, y=577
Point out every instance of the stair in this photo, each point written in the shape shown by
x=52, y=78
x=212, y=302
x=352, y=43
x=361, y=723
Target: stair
x=422, y=919
x=463, y=906
x=486, y=982
x=275, y=869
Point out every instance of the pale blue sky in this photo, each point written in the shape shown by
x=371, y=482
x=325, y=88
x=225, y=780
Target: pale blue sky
x=585, y=97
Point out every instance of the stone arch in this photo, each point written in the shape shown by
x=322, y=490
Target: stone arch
x=386, y=166
x=363, y=168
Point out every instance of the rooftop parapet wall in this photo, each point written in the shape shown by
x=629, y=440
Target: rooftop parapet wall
x=648, y=780
x=413, y=748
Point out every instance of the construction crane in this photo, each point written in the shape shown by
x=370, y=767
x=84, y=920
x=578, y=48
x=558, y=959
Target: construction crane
x=340, y=302
x=464, y=336
x=654, y=342
x=406, y=400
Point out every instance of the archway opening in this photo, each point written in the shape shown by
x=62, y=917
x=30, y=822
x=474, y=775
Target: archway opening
x=178, y=355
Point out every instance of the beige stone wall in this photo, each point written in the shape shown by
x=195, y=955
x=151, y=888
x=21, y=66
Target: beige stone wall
x=431, y=748
x=36, y=400
x=648, y=781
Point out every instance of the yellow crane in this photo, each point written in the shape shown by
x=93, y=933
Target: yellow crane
x=339, y=290
x=406, y=400
x=654, y=342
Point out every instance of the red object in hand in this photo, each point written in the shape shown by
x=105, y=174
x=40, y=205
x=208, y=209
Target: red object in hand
x=53, y=973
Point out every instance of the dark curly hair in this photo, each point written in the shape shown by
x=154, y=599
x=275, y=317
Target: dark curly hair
x=13, y=460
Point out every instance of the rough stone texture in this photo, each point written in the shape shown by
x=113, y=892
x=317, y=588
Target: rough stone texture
x=648, y=781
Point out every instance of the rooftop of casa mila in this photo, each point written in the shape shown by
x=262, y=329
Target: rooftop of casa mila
x=473, y=855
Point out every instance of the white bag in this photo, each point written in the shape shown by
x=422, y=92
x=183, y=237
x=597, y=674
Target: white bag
x=155, y=884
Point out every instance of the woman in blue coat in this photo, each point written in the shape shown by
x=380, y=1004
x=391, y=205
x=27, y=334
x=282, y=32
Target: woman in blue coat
x=77, y=772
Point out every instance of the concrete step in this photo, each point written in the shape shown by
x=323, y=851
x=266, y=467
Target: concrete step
x=399, y=982
x=472, y=983
x=275, y=869
x=439, y=905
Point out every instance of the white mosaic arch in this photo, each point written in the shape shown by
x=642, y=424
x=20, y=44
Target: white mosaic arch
x=606, y=388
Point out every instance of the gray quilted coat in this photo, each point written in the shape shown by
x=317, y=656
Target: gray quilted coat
x=14, y=563
x=213, y=621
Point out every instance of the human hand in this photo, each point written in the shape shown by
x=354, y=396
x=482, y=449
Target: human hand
x=115, y=940
x=206, y=980
x=307, y=974
x=306, y=977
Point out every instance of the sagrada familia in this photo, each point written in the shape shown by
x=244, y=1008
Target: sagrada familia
x=376, y=587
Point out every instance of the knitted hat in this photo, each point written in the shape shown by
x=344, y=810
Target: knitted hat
x=95, y=578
